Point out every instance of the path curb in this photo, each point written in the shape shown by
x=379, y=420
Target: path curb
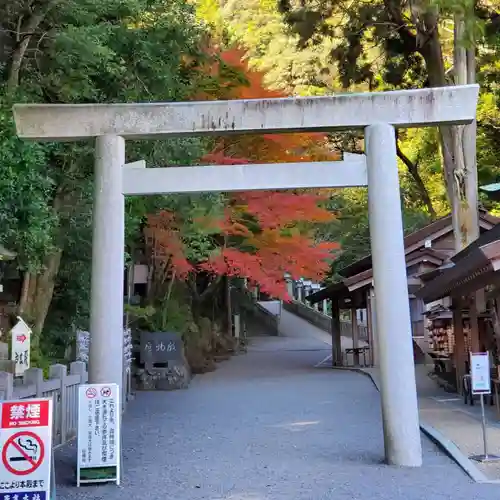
x=452, y=450
x=448, y=446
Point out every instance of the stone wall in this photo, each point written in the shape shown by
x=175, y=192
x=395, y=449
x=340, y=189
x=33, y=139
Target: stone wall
x=314, y=317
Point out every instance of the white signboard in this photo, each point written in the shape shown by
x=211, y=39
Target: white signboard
x=26, y=449
x=21, y=342
x=480, y=373
x=99, y=450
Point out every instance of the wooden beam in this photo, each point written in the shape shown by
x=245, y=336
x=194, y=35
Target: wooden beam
x=336, y=335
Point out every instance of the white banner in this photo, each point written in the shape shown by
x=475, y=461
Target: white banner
x=21, y=344
x=98, y=431
x=480, y=373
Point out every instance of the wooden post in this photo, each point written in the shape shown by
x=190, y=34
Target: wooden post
x=6, y=386
x=369, y=325
x=375, y=347
x=459, y=351
x=474, y=325
x=336, y=335
x=60, y=372
x=34, y=376
x=355, y=336
x=229, y=307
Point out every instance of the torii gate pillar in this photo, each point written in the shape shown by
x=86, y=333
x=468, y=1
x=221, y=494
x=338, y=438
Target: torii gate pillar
x=376, y=113
x=395, y=347
x=108, y=243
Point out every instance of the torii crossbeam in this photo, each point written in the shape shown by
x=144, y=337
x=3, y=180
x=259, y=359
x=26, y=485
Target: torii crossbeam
x=376, y=113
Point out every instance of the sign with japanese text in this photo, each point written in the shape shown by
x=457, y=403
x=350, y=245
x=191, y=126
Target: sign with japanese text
x=21, y=344
x=127, y=349
x=480, y=373
x=82, y=345
x=161, y=347
x=26, y=449
x=98, y=433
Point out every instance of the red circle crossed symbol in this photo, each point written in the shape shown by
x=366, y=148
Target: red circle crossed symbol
x=23, y=453
x=91, y=392
x=105, y=392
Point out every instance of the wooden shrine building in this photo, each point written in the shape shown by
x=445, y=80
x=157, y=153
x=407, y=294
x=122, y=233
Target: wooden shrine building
x=470, y=323
x=426, y=250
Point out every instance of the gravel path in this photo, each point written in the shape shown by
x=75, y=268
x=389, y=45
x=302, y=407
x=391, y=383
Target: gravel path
x=268, y=426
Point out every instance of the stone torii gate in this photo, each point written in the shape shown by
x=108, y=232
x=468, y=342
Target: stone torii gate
x=376, y=113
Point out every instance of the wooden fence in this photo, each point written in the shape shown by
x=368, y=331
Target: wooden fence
x=61, y=386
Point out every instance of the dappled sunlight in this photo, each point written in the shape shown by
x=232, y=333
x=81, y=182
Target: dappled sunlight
x=298, y=426
x=244, y=496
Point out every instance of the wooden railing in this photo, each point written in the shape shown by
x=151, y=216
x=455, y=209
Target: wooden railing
x=61, y=386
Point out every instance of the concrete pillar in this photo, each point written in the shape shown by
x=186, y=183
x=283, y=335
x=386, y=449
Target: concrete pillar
x=325, y=307
x=397, y=370
x=289, y=288
x=106, y=305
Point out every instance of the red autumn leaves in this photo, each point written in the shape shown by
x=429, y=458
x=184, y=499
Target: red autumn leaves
x=261, y=235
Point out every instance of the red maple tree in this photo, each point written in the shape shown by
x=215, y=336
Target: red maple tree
x=264, y=235
x=267, y=237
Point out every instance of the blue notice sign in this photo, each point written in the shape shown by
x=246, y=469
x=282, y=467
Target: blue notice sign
x=23, y=495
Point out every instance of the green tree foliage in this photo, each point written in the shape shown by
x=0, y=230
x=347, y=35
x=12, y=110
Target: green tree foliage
x=323, y=47
x=64, y=51
x=25, y=193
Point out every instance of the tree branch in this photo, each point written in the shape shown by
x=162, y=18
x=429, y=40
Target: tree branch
x=24, y=35
x=415, y=174
x=210, y=288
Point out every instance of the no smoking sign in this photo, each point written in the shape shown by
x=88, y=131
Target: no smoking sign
x=25, y=449
x=91, y=392
x=23, y=453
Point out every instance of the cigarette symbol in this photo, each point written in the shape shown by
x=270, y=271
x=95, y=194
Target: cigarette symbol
x=30, y=446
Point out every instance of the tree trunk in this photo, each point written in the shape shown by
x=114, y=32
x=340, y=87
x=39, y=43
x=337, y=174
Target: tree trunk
x=457, y=143
x=431, y=51
x=38, y=290
x=465, y=158
x=23, y=38
x=25, y=293
x=44, y=290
